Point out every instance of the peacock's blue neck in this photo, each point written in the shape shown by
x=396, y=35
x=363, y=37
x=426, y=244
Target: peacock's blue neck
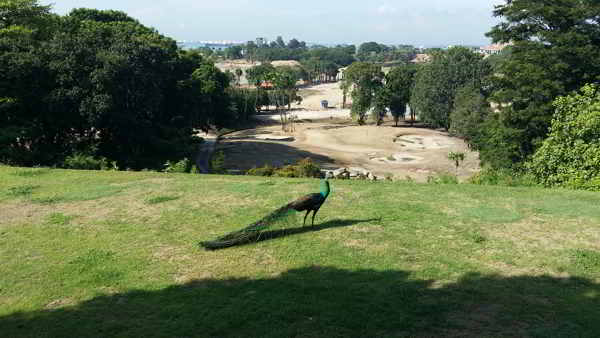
x=325, y=188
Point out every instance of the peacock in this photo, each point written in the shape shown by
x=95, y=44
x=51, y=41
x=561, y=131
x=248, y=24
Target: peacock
x=308, y=203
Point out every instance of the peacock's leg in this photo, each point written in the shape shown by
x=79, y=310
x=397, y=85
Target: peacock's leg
x=313, y=218
x=304, y=223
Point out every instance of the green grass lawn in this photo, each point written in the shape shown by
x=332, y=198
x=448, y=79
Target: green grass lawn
x=86, y=253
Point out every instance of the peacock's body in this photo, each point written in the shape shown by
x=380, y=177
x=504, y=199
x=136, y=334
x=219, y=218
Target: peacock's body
x=308, y=203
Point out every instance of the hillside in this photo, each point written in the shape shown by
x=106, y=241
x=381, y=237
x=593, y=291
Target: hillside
x=116, y=253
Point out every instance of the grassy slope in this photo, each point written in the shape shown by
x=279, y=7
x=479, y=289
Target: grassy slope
x=114, y=253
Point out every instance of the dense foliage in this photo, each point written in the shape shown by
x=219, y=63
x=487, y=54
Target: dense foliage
x=570, y=156
x=470, y=111
x=363, y=80
x=437, y=83
x=275, y=85
x=555, y=50
x=303, y=168
x=376, y=52
x=342, y=55
x=100, y=84
x=396, y=92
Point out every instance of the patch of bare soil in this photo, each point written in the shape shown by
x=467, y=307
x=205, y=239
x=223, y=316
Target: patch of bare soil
x=13, y=212
x=313, y=95
x=384, y=150
x=330, y=138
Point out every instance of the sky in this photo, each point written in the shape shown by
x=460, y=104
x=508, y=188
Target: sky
x=416, y=22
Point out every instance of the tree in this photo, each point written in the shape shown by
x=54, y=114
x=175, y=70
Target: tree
x=106, y=16
x=24, y=13
x=244, y=102
x=258, y=74
x=284, y=80
x=369, y=47
x=238, y=74
x=250, y=50
x=90, y=78
x=363, y=80
x=437, y=82
x=555, y=48
x=396, y=91
x=279, y=42
x=457, y=158
x=207, y=98
x=471, y=109
x=570, y=156
x=24, y=27
x=295, y=44
x=234, y=52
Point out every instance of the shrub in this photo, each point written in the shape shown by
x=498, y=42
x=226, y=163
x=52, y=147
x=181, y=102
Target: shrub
x=443, y=178
x=182, y=166
x=217, y=163
x=286, y=171
x=303, y=168
x=506, y=177
x=88, y=162
x=307, y=168
x=570, y=156
x=456, y=157
x=267, y=170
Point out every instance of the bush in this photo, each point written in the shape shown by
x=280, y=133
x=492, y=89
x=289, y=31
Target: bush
x=307, y=168
x=286, y=171
x=456, y=157
x=506, y=177
x=444, y=178
x=304, y=168
x=217, y=163
x=570, y=156
x=182, y=166
x=88, y=162
x=267, y=170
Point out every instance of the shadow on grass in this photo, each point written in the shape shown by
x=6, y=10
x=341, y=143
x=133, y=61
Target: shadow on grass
x=244, y=155
x=329, y=302
x=273, y=234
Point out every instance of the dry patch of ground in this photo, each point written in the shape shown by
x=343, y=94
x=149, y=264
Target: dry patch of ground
x=386, y=151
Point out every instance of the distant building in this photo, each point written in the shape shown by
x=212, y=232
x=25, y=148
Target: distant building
x=493, y=49
x=421, y=58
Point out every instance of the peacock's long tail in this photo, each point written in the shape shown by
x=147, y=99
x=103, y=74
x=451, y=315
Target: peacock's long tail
x=250, y=233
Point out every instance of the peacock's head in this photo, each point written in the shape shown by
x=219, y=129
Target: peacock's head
x=325, y=188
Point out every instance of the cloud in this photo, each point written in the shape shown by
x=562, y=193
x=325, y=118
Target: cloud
x=386, y=9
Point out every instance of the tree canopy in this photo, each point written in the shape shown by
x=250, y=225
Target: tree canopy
x=102, y=84
x=363, y=80
x=570, y=156
x=555, y=50
x=397, y=89
x=437, y=82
